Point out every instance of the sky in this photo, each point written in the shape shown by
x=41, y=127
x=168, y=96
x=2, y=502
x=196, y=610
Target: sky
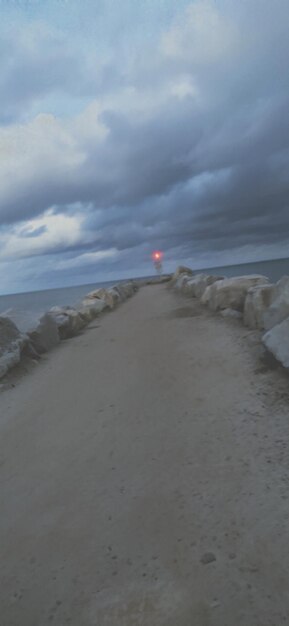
x=138, y=125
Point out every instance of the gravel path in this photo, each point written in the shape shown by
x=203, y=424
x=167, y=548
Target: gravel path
x=144, y=475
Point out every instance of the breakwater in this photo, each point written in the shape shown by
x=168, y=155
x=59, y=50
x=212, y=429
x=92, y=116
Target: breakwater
x=258, y=303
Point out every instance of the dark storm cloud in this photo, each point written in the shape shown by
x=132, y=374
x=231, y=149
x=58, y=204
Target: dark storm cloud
x=196, y=172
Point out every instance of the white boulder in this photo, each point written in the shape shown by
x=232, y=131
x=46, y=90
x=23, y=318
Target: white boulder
x=102, y=294
x=276, y=341
x=12, y=343
x=115, y=295
x=257, y=303
x=181, y=282
x=122, y=291
x=205, y=299
x=180, y=270
x=231, y=313
x=230, y=293
x=279, y=308
x=68, y=320
x=90, y=309
x=40, y=328
x=96, y=294
x=196, y=286
x=190, y=285
x=44, y=336
x=126, y=290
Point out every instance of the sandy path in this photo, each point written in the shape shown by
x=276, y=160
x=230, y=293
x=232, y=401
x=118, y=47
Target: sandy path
x=129, y=453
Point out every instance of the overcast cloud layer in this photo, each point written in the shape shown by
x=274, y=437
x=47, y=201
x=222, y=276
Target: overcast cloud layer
x=124, y=129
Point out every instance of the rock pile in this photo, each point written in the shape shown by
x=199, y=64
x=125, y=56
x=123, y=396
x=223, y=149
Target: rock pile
x=12, y=342
x=23, y=332
x=253, y=299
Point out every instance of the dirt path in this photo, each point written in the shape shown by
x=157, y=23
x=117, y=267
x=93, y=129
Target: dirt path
x=144, y=475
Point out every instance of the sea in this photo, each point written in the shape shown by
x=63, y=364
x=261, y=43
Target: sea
x=41, y=301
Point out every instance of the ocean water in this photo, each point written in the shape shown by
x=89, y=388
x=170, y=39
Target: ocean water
x=274, y=270
x=40, y=301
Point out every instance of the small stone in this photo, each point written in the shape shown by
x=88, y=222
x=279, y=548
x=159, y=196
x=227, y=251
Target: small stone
x=208, y=557
x=215, y=604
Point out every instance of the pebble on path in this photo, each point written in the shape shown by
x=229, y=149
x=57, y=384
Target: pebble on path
x=207, y=558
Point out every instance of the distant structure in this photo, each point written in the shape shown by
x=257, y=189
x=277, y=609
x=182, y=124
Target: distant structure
x=157, y=257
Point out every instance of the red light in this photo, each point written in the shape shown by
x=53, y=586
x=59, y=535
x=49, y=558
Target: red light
x=157, y=255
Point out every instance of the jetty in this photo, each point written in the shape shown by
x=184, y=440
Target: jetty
x=144, y=467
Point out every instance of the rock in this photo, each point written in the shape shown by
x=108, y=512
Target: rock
x=205, y=299
x=45, y=335
x=276, y=341
x=208, y=557
x=181, y=282
x=180, y=270
x=102, y=294
x=85, y=313
x=90, y=309
x=231, y=313
x=190, y=285
x=23, y=332
x=230, y=293
x=279, y=308
x=12, y=342
x=96, y=294
x=40, y=328
x=115, y=295
x=196, y=286
x=136, y=284
x=257, y=302
x=121, y=295
x=69, y=321
x=126, y=288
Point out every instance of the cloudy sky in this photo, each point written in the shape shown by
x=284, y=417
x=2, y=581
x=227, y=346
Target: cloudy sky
x=136, y=125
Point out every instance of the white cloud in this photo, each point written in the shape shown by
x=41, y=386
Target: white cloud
x=33, y=153
x=172, y=152
x=55, y=230
x=201, y=35
x=184, y=86
x=87, y=127
x=88, y=258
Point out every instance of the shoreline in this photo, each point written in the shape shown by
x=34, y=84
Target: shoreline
x=32, y=334
x=252, y=299
x=27, y=335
